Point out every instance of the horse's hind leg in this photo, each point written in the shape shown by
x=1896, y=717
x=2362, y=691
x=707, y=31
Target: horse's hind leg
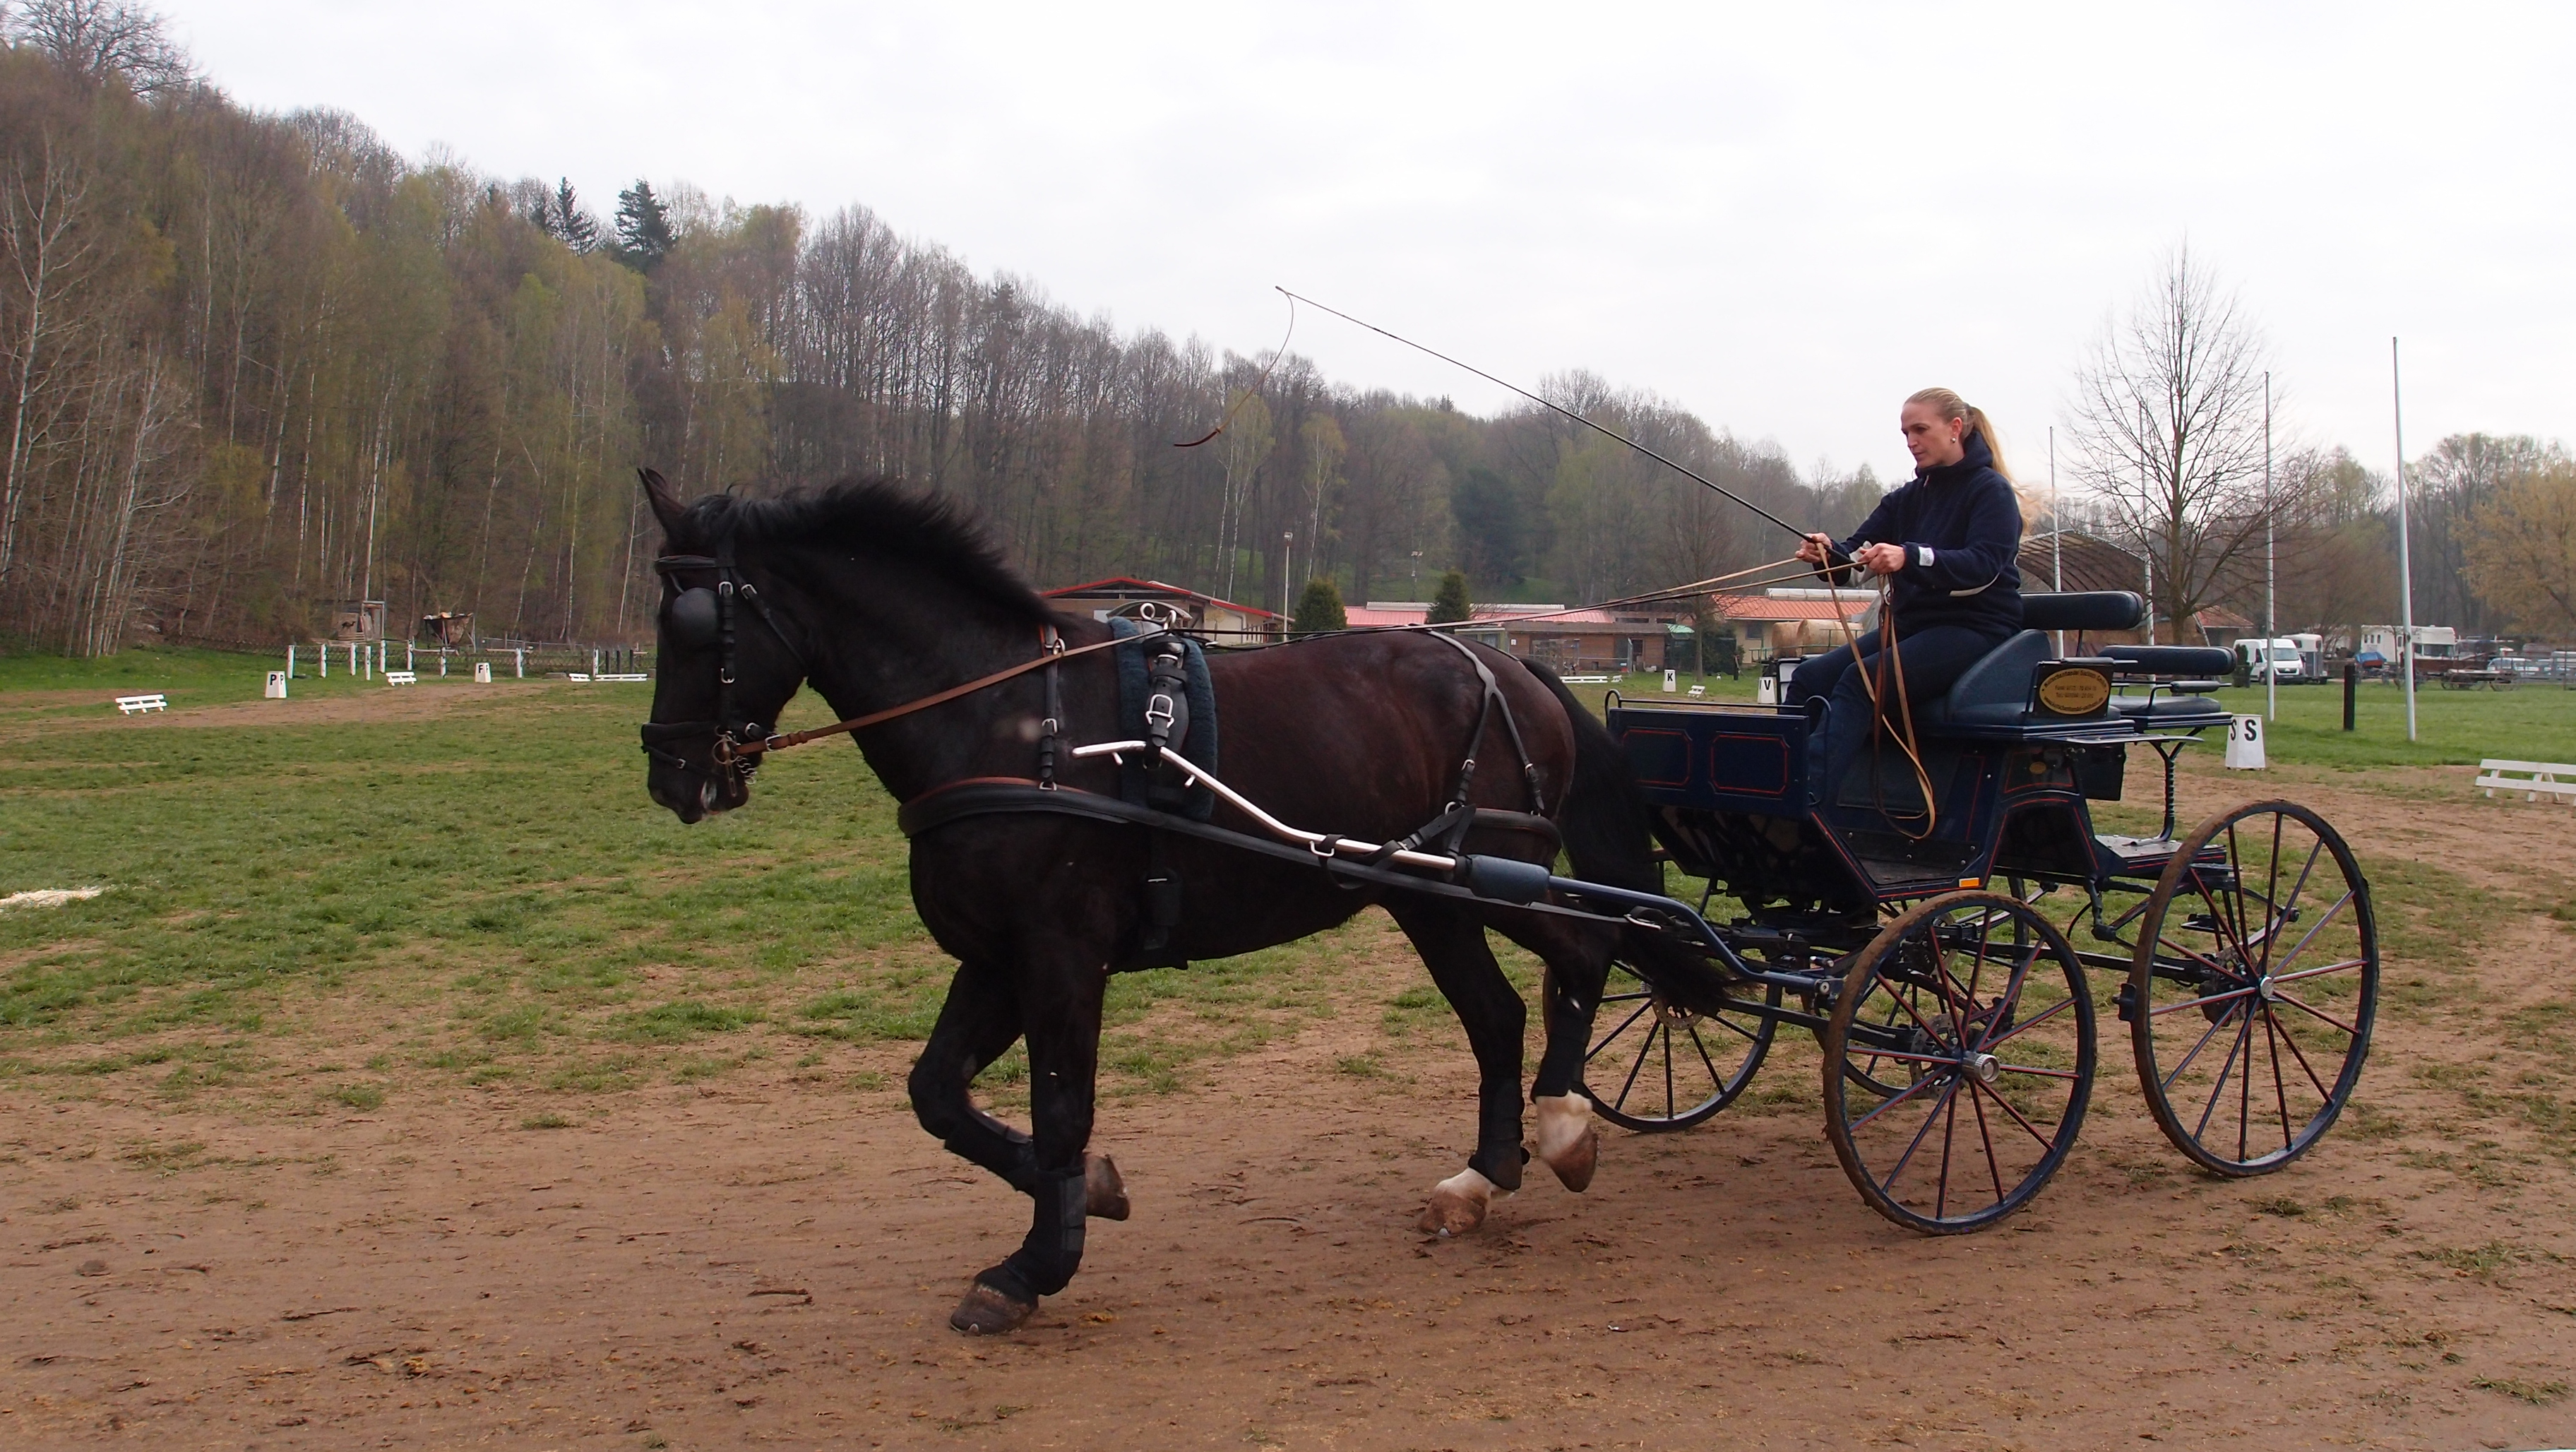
x=1452, y=943
x=1062, y=1014
x=1578, y=969
x=977, y=1024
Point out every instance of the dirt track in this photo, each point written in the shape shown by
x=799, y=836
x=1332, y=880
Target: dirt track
x=767, y=1260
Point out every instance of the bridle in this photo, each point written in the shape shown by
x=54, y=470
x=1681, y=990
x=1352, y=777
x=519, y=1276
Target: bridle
x=699, y=616
x=702, y=615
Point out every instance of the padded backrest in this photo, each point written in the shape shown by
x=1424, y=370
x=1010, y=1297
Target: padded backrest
x=2172, y=660
x=1999, y=678
x=2090, y=610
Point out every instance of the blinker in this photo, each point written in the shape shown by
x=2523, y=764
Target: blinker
x=690, y=621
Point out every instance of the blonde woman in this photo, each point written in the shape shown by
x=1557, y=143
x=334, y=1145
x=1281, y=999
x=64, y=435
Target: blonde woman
x=1947, y=542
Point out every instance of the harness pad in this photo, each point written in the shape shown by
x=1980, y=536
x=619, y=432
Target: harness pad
x=1198, y=747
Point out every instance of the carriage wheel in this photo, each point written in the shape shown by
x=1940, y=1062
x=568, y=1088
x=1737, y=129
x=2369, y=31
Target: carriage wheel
x=2256, y=978
x=1973, y=1013
x=1660, y=1066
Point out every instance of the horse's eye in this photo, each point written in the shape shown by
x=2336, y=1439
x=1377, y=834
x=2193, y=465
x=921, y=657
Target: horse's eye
x=689, y=622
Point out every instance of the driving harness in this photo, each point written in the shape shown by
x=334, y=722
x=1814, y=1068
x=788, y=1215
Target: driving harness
x=703, y=614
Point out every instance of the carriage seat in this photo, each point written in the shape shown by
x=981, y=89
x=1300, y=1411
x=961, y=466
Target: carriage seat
x=1998, y=692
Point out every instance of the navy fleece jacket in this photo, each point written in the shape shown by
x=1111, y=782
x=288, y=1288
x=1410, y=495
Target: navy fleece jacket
x=1961, y=527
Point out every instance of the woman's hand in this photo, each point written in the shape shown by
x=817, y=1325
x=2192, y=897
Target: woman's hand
x=1816, y=549
x=1881, y=559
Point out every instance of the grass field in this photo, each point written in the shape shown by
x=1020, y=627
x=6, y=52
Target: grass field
x=445, y=886
x=478, y=892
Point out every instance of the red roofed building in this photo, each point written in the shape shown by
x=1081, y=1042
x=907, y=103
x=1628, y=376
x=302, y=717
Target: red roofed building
x=1222, y=622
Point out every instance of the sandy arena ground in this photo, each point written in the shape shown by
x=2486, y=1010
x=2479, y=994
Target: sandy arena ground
x=763, y=1261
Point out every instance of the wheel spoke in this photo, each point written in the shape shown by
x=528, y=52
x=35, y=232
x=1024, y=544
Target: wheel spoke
x=2272, y=907
x=1949, y=1090
x=2165, y=1085
x=2348, y=963
x=2293, y=1041
x=2035, y=1069
x=1671, y=1101
x=1994, y=1168
x=1643, y=1049
x=1977, y=971
x=2233, y=993
x=1748, y=1035
x=2289, y=906
x=2310, y=935
x=2006, y=1105
x=2280, y=1091
x=2010, y=998
x=2244, y=1034
x=2293, y=1001
x=2026, y=1025
x=1714, y=1077
x=1642, y=1010
x=1949, y=1137
x=1917, y=1087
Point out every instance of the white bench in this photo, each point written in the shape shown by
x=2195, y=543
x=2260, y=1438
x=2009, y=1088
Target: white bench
x=402, y=678
x=2531, y=778
x=635, y=676
x=1585, y=680
x=130, y=705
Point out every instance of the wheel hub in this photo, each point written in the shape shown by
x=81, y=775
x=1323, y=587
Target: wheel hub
x=1984, y=1068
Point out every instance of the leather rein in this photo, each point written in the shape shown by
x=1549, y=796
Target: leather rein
x=740, y=745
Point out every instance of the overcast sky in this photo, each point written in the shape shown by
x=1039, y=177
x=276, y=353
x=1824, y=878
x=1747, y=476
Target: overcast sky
x=1784, y=218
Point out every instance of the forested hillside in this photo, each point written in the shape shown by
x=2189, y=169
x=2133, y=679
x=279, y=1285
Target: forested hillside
x=258, y=364
x=255, y=366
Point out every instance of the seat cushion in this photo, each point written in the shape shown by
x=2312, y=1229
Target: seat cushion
x=2172, y=660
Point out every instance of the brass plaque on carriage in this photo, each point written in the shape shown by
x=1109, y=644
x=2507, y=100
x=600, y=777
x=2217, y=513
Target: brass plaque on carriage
x=2075, y=692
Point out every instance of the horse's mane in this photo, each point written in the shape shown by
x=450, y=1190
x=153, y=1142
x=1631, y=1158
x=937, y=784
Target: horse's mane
x=880, y=516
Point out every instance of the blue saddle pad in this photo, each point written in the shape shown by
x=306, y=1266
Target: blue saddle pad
x=1198, y=748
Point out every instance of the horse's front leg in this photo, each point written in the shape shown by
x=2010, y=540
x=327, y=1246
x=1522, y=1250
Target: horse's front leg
x=1060, y=1004
x=1452, y=943
x=1567, y=1139
x=978, y=1023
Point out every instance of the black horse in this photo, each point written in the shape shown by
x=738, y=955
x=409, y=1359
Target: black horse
x=878, y=595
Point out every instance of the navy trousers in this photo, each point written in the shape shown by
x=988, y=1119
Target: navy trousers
x=1932, y=658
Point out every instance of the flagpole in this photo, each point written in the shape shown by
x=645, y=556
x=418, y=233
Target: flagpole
x=2056, y=534
x=2405, y=561
x=2271, y=603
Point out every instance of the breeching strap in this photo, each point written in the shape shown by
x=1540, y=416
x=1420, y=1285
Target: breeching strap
x=861, y=723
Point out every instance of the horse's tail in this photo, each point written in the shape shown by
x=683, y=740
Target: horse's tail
x=1608, y=829
x=1609, y=832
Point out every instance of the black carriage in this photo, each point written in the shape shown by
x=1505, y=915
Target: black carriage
x=1931, y=946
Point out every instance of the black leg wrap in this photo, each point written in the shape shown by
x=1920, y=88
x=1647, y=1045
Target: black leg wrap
x=1500, y=1165
x=1019, y=1171
x=1047, y=1259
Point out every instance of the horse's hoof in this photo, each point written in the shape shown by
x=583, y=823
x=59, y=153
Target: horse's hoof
x=987, y=1312
x=1568, y=1140
x=1104, y=1195
x=1575, y=1164
x=1450, y=1213
x=1457, y=1205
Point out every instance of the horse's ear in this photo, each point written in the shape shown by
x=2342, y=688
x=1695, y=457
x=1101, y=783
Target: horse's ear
x=666, y=505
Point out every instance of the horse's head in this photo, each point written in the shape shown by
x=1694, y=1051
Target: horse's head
x=726, y=665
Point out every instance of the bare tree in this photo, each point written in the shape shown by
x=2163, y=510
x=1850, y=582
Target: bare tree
x=102, y=38
x=2168, y=435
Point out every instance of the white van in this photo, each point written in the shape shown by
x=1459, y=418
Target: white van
x=2278, y=656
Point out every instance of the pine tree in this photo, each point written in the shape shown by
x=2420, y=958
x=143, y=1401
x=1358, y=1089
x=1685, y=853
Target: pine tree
x=573, y=226
x=1450, y=606
x=643, y=227
x=1319, y=609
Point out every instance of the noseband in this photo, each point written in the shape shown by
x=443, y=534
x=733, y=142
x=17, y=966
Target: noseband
x=702, y=615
